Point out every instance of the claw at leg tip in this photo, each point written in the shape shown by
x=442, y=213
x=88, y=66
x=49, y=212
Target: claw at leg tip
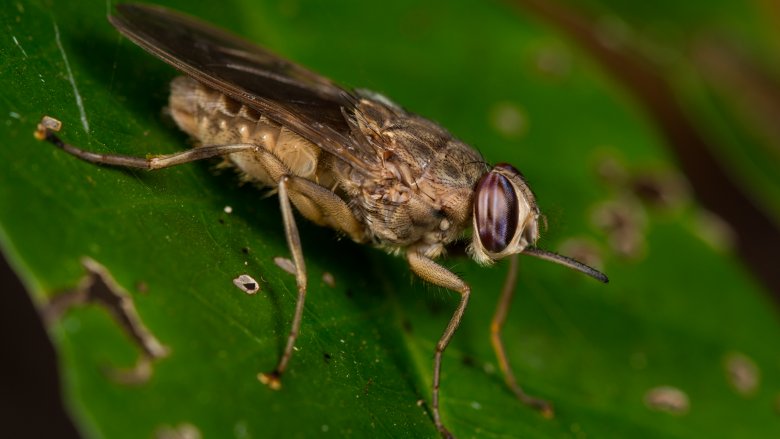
x=40, y=133
x=270, y=379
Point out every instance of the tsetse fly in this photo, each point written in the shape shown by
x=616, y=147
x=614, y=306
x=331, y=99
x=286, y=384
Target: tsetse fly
x=351, y=160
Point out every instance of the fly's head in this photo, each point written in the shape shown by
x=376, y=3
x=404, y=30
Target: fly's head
x=505, y=215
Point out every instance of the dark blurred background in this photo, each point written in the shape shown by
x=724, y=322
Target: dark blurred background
x=30, y=401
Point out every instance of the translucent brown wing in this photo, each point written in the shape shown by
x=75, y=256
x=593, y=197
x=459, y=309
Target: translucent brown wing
x=305, y=102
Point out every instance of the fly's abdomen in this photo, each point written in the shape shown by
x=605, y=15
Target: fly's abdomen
x=213, y=118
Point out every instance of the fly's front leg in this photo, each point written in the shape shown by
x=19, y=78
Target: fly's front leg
x=434, y=273
x=48, y=126
x=496, y=326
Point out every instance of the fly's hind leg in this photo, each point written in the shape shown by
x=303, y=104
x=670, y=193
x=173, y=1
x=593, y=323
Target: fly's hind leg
x=499, y=318
x=314, y=202
x=48, y=126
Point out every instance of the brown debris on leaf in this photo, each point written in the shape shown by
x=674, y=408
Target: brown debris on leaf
x=99, y=287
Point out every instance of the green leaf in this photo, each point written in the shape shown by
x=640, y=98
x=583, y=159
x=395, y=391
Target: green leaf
x=673, y=314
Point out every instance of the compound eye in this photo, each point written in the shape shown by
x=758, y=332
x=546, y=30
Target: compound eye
x=495, y=212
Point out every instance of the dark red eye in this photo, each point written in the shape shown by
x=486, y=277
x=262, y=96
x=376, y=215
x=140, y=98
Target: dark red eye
x=495, y=212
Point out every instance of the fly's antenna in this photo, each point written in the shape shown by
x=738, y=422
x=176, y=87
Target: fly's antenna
x=566, y=261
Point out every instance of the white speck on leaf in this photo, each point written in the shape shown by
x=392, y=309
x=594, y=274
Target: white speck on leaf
x=743, y=373
x=240, y=430
x=247, y=284
x=285, y=264
x=328, y=279
x=182, y=431
x=509, y=119
x=668, y=399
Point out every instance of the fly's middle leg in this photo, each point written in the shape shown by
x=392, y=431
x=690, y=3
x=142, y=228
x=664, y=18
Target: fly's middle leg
x=320, y=206
x=272, y=379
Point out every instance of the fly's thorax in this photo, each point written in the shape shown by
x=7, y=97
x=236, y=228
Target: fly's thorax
x=422, y=196
x=505, y=215
x=212, y=118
